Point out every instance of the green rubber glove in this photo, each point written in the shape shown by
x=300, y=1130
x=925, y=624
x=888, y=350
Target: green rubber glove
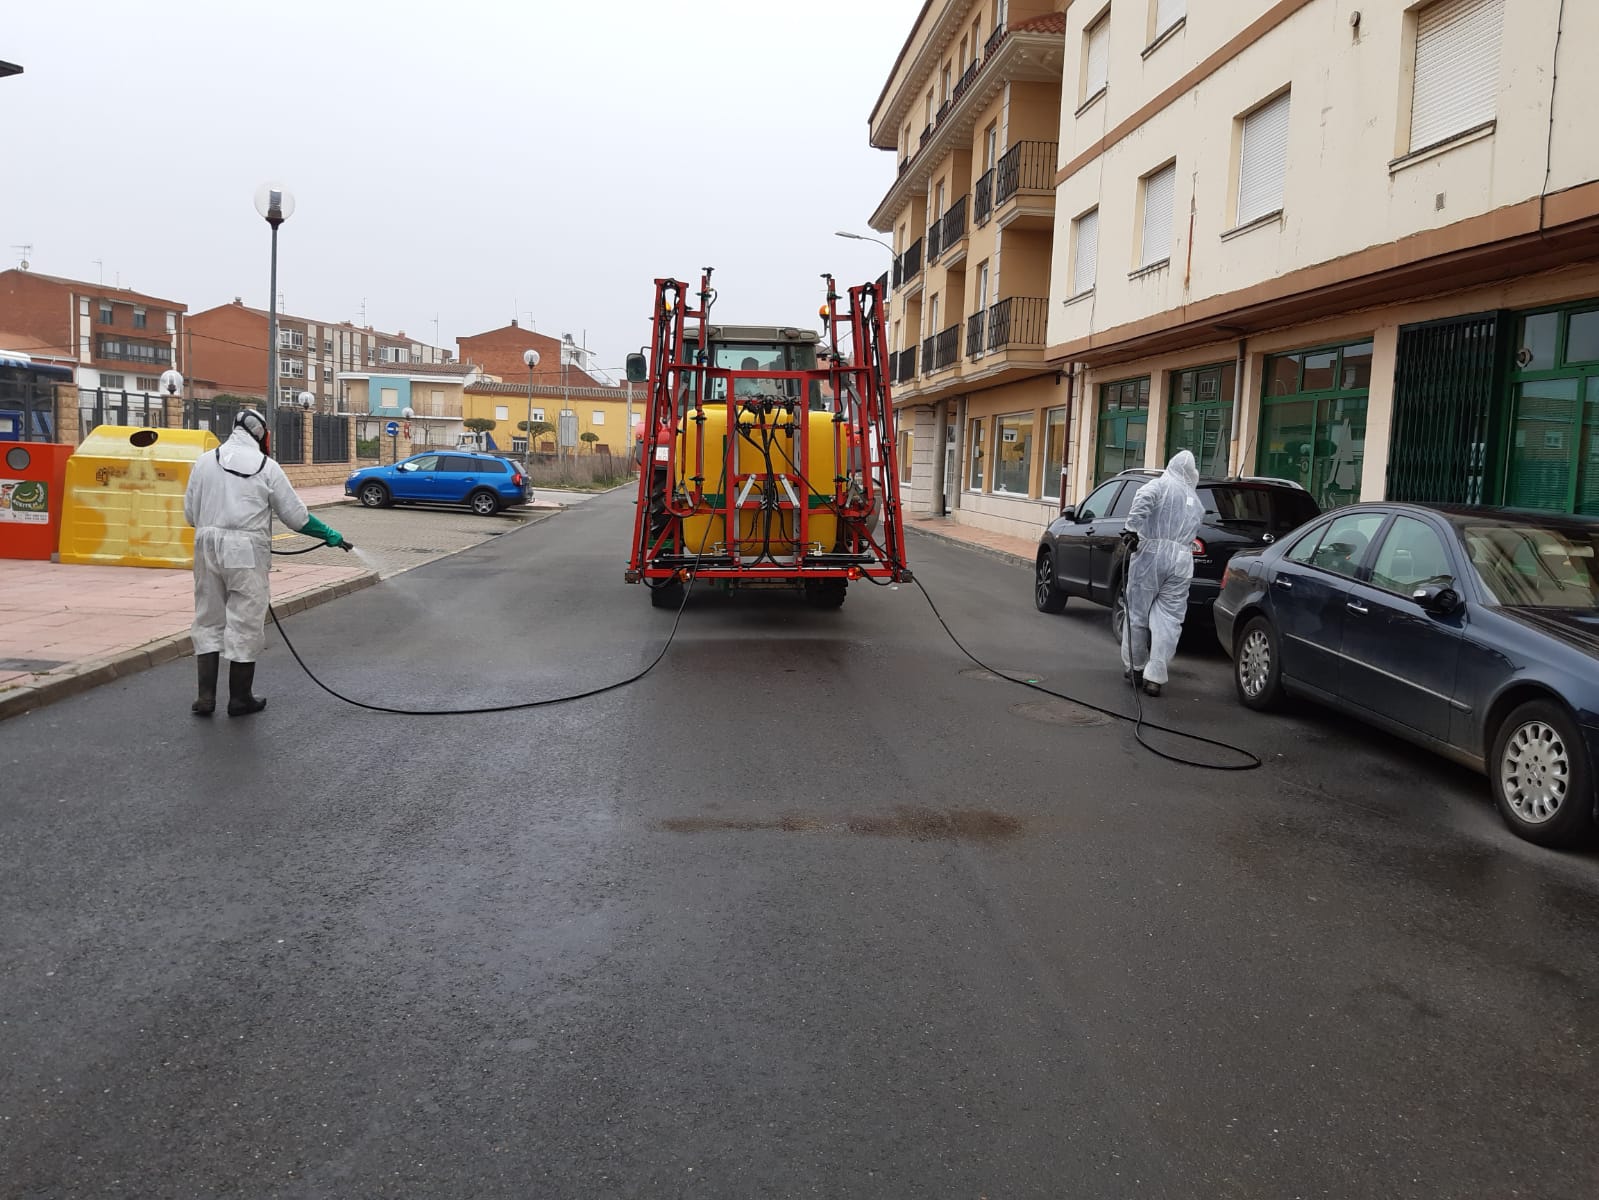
x=315, y=528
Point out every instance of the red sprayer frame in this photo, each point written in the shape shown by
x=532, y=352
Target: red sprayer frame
x=855, y=392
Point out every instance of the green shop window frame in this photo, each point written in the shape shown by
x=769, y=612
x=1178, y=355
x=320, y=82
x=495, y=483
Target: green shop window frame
x=1325, y=449
x=1123, y=426
x=1202, y=426
x=1551, y=452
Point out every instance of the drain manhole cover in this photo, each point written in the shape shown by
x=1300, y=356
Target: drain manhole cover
x=1059, y=712
x=30, y=664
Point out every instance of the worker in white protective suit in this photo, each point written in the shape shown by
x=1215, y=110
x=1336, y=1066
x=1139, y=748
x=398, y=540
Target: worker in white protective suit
x=1160, y=537
x=233, y=493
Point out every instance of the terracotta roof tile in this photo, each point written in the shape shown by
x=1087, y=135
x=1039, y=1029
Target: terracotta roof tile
x=1048, y=23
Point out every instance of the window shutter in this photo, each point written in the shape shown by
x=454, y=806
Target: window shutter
x=1086, y=264
x=1168, y=13
x=1457, y=68
x=1159, y=194
x=1263, y=160
x=1098, y=71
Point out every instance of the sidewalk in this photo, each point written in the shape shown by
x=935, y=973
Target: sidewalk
x=1021, y=551
x=65, y=629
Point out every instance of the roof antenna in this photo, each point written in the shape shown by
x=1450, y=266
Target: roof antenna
x=27, y=252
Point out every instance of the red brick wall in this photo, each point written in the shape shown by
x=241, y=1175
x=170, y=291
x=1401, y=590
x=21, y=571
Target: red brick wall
x=230, y=349
x=499, y=352
x=39, y=309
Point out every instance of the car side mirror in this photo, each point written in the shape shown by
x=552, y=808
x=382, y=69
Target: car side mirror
x=1069, y=512
x=407, y=466
x=637, y=368
x=1437, y=598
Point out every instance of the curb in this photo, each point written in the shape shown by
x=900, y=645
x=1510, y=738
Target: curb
x=94, y=672
x=991, y=551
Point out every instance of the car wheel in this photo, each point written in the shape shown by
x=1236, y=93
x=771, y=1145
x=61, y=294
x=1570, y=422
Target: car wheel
x=374, y=495
x=1118, y=610
x=669, y=595
x=1541, y=776
x=1257, y=666
x=484, y=503
x=1046, y=596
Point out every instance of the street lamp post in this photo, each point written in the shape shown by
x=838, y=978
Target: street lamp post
x=861, y=237
x=276, y=205
x=531, y=358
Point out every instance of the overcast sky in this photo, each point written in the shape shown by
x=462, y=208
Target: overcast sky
x=472, y=160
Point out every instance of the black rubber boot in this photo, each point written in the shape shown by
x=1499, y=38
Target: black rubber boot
x=241, y=703
x=206, y=700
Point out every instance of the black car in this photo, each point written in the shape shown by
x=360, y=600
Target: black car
x=1080, y=554
x=1471, y=631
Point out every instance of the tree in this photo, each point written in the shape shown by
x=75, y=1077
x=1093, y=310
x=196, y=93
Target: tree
x=480, y=424
x=538, y=430
x=589, y=436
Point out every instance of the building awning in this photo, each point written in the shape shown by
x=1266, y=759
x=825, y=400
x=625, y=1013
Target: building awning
x=24, y=363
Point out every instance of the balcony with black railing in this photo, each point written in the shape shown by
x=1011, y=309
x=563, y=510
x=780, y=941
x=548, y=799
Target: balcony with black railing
x=964, y=82
x=983, y=199
x=952, y=231
x=974, y=334
x=1017, y=323
x=946, y=349
x=1024, y=185
x=929, y=354
x=905, y=365
x=994, y=39
x=908, y=265
x=935, y=241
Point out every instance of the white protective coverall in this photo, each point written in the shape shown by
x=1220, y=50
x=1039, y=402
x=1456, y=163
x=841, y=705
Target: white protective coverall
x=232, y=494
x=1165, y=515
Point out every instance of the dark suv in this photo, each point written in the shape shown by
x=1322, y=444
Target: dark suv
x=1081, y=554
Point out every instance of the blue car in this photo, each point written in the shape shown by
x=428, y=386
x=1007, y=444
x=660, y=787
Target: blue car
x=1473, y=632
x=482, y=482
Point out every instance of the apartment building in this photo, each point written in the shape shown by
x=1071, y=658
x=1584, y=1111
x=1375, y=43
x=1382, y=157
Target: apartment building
x=1351, y=244
x=499, y=352
x=228, y=348
x=116, y=339
x=972, y=111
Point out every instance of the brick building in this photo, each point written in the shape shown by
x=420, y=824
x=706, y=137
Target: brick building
x=115, y=338
x=499, y=353
x=228, y=348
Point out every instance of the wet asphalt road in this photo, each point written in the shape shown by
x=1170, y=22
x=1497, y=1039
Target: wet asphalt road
x=814, y=909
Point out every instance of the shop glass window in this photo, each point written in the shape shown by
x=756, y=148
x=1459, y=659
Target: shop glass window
x=1013, y=455
x=1200, y=419
x=1539, y=337
x=1054, y=449
x=975, y=475
x=1123, y=424
x=1317, y=435
x=1582, y=337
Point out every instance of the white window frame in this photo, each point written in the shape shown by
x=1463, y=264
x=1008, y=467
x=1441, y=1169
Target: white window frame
x=502, y=412
x=1157, y=201
x=1096, y=59
x=597, y=417
x=1164, y=16
x=1263, y=145
x=1085, y=224
x=1455, y=68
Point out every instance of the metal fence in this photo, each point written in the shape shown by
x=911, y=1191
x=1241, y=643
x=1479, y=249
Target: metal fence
x=330, y=438
x=1026, y=166
x=212, y=415
x=101, y=406
x=27, y=411
x=1448, y=376
x=288, y=439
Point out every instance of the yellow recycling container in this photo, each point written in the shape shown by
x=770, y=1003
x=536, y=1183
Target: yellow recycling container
x=124, y=497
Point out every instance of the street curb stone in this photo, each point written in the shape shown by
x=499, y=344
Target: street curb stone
x=98, y=671
x=991, y=551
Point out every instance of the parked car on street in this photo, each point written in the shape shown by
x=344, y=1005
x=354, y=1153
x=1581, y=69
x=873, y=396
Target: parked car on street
x=1081, y=553
x=485, y=483
x=1471, y=631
